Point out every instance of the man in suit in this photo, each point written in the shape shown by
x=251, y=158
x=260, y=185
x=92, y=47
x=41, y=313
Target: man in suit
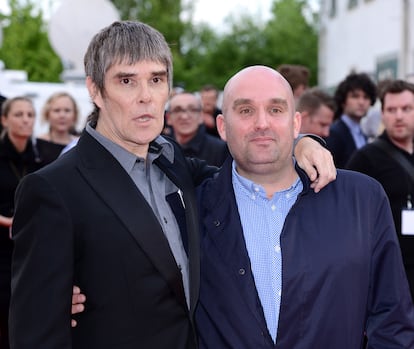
x=317, y=110
x=116, y=215
x=353, y=97
x=281, y=266
x=184, y=117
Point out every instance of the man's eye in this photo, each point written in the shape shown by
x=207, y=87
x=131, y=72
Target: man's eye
x=275, y=110
x=126, y=81
x=245, y=111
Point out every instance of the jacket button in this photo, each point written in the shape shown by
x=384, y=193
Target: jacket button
x=242, y=271
x=216, y=223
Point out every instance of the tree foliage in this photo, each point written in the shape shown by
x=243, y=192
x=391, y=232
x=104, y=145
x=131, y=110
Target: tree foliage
x=26, y=45
x=290, y=37
x=201, y=54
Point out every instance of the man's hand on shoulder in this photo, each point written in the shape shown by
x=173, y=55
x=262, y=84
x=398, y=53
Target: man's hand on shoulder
x=316, y=161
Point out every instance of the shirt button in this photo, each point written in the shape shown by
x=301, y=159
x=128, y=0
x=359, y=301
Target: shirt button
x=273, y=207
x=277, y=248
x=279, y=293
x=216, y=223
x=242, y=271
x=288, y=195
x=256, y=189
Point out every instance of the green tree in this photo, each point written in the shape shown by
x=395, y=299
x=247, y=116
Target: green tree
x=164, y=15
x=26, y=45
x=291, y=37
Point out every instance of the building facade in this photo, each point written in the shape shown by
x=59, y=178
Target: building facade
x=371, y=36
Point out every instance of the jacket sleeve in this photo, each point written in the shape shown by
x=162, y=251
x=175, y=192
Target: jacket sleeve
x=200, y=170
x=42, y=268
x=390, y=318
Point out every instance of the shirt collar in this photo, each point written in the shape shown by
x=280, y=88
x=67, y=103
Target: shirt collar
x=127, y=159
x=352, y=124
x=252, y=188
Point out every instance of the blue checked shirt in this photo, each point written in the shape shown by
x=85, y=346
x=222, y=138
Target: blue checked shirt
x=262, y=221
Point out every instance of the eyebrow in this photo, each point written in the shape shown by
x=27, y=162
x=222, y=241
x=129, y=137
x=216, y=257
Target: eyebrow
x=242, y=101
x=121, y=75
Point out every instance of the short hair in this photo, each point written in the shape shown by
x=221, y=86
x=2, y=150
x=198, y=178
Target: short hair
x=296, y=75
x=354, y=81
x=312, y=99
x=394, y=86
x=56, y=95
x=196, y=96
x=124, y=42
x=209, y=87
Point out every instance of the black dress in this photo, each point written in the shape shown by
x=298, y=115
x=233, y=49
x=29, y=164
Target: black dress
x=50, y=151
x=13, y=166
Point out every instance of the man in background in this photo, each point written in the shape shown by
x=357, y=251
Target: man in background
x=353, y=96
x=209, y=99
x=185, y=117
x=317, y=109
x=390, y=160
x=297, y=77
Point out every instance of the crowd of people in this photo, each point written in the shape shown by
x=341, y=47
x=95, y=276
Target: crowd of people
x=179, y=221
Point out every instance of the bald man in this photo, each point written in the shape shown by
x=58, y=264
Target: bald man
x=281, y=265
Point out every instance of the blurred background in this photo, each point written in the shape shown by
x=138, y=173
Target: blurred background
x=43, y=41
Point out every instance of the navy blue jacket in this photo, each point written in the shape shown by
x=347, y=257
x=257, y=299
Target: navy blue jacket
x=340, y=143
x=342, y=271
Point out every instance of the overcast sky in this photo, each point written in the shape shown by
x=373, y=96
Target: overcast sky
x=213, y=12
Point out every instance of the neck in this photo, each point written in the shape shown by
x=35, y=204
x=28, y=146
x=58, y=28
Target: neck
x=60, y=137
x=405, y=144
x=184, y=139
x=272, y=181
x=19, y=143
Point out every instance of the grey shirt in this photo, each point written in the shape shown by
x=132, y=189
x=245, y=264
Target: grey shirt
x=154, y=186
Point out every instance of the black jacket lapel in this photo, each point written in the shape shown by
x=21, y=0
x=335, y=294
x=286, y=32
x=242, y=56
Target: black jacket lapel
x=110, y=181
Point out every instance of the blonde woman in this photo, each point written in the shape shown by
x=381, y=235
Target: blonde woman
x=61, y=112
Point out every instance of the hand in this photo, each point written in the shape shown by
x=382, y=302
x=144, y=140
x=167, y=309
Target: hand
x=316, y=161
x=77, y=303
x=6, y=221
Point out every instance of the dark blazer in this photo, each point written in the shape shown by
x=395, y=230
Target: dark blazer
x=206, y=147
x=82, y=220
x=341, y=143
x=342, y=271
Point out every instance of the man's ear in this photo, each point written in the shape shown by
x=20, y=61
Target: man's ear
x=297, y=120
x=93, y=91
x=221, y=127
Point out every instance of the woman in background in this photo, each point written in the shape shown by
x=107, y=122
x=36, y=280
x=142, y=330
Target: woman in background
x=61, y=112
x=18, y=157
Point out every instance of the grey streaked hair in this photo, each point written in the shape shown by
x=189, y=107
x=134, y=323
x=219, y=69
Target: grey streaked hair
x=124, y=42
